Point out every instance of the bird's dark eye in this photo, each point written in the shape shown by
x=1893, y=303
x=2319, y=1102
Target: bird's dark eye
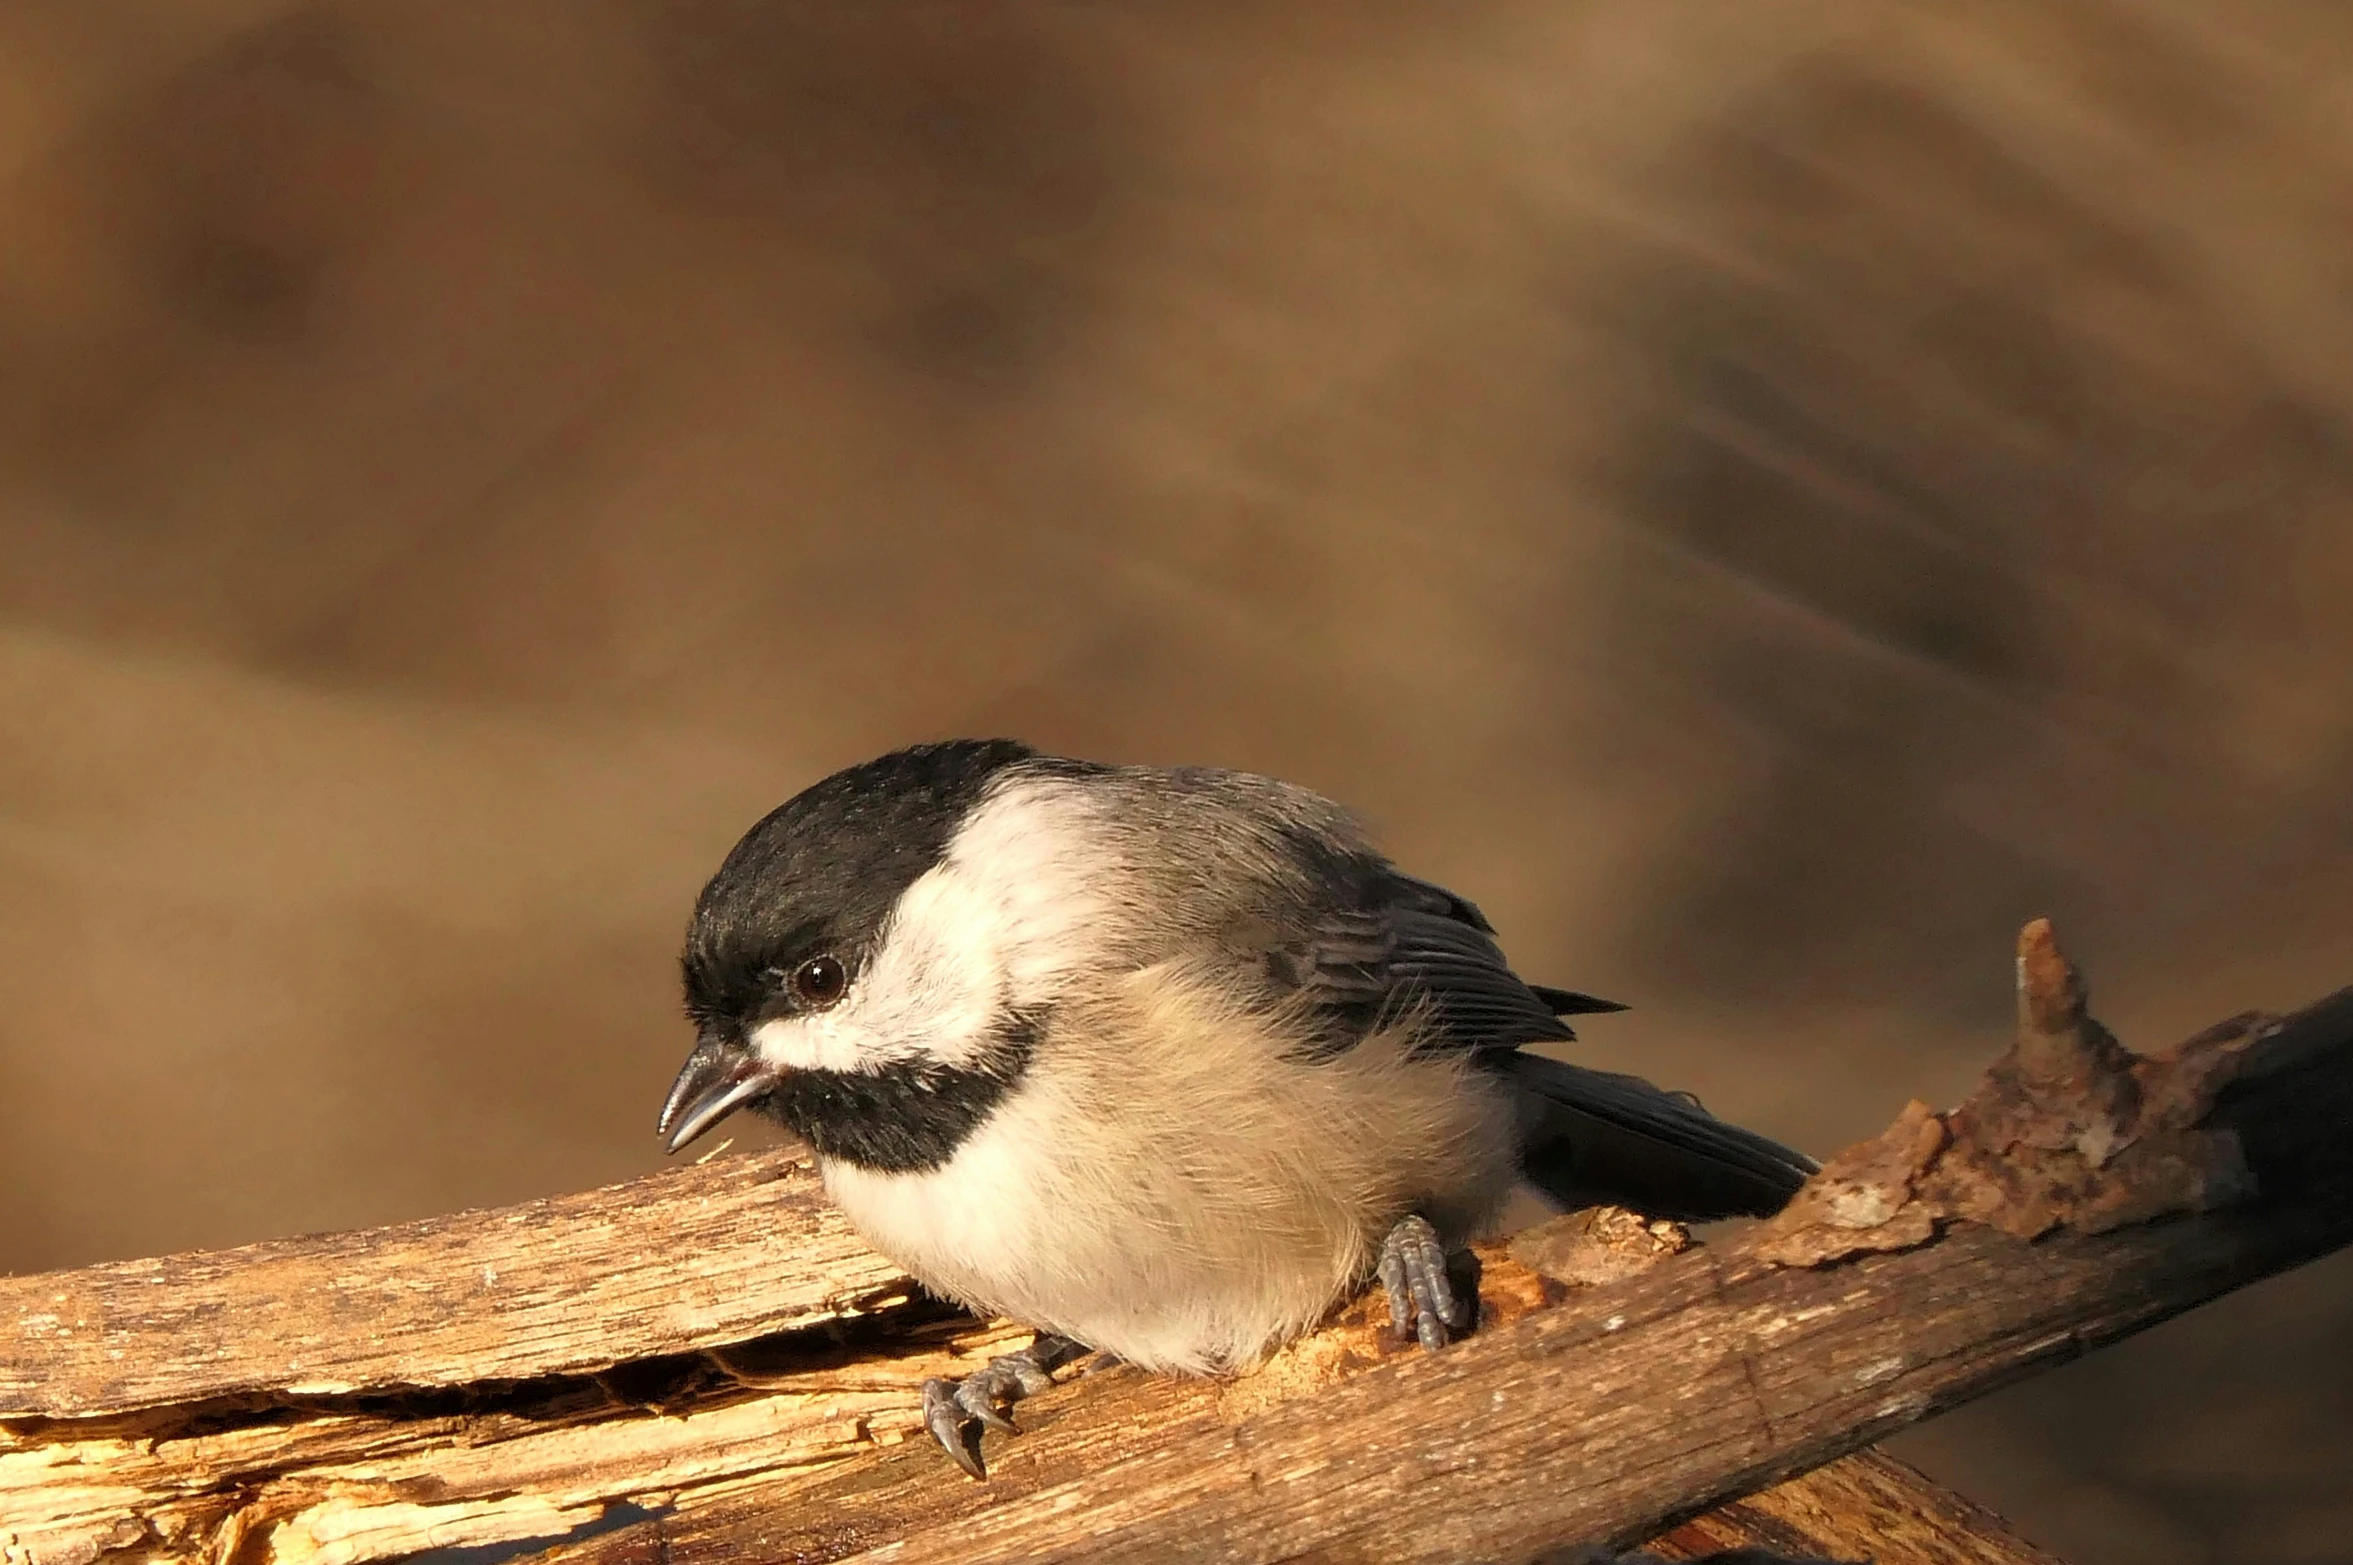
x=820, y=981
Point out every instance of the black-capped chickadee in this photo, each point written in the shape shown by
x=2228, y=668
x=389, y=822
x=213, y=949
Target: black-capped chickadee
x=1163, y=1063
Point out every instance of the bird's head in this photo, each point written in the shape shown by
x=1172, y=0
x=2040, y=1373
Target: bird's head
x=856, y=969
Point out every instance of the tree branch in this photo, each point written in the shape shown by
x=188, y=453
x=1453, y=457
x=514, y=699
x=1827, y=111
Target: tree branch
x=710, y=1353
x=1868, y=1506
x=688, y=1258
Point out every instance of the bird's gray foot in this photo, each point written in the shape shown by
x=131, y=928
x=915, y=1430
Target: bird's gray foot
x=957, y=1412
x=1422, y=1300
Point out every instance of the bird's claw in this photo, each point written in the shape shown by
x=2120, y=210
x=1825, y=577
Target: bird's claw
x=957, y=1412
x=1422, y=1300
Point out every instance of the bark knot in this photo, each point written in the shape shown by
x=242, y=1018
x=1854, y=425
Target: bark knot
x=2068, y=1129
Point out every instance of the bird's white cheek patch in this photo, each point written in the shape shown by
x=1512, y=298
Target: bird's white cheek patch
x=809, y=1043
x=934, y=990
x=928, y=999
x=997, y=923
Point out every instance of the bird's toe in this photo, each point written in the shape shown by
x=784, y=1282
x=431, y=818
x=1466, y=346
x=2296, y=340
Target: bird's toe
x=984, y=1398
x=952, y=1426
x=959, y=1412
x=1423, y=1303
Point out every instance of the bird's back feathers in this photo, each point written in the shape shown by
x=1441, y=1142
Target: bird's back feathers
x=1307, y=912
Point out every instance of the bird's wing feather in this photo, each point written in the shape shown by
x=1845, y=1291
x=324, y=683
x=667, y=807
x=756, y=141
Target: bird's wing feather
x=1604, y=1136
x=1568, y=1002
x=1409, y=947
x=1413, y=946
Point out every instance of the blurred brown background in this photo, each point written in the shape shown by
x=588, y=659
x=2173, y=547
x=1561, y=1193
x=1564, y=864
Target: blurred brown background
x=1764, y=497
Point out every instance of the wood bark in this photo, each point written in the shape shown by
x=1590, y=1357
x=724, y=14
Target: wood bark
x=1868, y=1506
x=688, y=1258
x=710, y=1361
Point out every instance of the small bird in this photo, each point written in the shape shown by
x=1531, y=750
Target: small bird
x=1162, y=1062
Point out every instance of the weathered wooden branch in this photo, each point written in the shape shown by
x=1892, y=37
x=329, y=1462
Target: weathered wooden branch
x=688, y=1258
x=709, y=1358
x=1868, y=1506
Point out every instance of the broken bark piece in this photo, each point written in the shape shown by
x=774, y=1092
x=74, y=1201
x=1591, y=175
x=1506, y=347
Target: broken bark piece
x=2067, y=1129
x=1531, y=1270
x=1866, y=1198
x=1601, y=1244
x=1358, y=1335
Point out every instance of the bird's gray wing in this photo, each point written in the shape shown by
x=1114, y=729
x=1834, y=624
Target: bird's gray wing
x=1403, y=946
x=1591, y=1135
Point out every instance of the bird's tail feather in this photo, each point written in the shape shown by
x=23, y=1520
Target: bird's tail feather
x=1598, y=1136
x=1568, y=1002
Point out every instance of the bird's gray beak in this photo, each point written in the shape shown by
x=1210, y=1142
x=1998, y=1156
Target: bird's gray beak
x=720, y=1077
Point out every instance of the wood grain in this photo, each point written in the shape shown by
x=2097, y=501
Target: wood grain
x=1607, y=1418
x=705, y=1366
x=689, y=1258
x=1604, y=1419
x=1868, y=1506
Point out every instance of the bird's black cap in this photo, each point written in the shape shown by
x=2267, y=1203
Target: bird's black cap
x=822, y=871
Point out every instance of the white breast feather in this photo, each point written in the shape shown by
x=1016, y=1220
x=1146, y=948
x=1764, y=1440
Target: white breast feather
x=1175, y=1184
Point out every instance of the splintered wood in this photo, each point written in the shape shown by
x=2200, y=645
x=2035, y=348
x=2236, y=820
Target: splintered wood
x=334, y=1479
x=1864, y=1507
x=554, y=1287
x=706, y=1365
